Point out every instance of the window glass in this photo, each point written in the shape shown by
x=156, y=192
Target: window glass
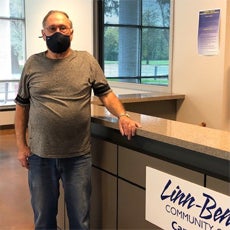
x=122, y=12
x=111, y=51
x=110, y=12
x=155, y=56
x=12, y=8
x=156, y=13
x=12, y=55
x=135, y=40
x=128, y=53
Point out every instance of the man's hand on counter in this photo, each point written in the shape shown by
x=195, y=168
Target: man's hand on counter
x=128, y=126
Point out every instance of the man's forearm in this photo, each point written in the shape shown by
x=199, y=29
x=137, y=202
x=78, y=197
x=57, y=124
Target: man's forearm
x=113, y=104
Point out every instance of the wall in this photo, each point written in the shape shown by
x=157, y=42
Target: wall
x=203, y=79
x=226, y=82
x=81, y=14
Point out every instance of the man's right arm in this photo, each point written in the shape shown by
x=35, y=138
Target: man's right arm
x=21, y=122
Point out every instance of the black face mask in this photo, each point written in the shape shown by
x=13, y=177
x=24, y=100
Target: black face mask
x=58, y=42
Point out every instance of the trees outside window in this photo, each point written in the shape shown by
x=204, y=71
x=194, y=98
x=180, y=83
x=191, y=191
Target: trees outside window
x=134, y=40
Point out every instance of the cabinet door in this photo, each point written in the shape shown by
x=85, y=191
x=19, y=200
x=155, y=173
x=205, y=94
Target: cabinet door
x=61, y=210
x=132, y=167
x=104, y=155
x=218, y=185
x=131, y=207
x=103, y=200
x=62, y=219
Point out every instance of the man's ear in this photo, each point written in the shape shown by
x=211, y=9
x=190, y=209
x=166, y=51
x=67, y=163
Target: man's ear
x=71, y=35
x=43, y=35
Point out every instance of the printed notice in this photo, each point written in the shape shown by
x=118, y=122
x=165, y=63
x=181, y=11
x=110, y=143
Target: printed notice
x=177, y=204
x=208, y=32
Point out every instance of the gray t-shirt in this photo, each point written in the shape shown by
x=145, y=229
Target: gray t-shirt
x=58, y=92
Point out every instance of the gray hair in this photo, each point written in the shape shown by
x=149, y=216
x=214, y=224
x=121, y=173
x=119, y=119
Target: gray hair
x=53, y=12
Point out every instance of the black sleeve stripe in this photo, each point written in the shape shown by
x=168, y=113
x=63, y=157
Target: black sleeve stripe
x=23, y=101
x=101, y=89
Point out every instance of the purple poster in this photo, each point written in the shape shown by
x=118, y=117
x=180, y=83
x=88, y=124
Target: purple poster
x=208, y=32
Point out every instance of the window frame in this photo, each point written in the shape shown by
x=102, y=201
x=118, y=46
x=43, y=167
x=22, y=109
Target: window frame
x=5, y=107
x=98, y=50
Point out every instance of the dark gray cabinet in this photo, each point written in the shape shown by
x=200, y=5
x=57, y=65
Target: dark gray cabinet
x=118, y=185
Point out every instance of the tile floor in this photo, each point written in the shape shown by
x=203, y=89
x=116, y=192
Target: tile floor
x=15, y=209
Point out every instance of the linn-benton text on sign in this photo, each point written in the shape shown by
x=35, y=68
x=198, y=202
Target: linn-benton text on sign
x=177, y=204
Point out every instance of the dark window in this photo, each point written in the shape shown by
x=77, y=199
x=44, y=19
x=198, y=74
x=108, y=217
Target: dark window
x=132, y=42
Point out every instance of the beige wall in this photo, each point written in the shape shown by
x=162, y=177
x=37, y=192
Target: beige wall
x=203, y=79
x=226, y=81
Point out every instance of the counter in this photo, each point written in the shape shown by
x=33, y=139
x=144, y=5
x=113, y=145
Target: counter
x=157, y=104
x=198, y=142
x=197, y=154
x=144, y=97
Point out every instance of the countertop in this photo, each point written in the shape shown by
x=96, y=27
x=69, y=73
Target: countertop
x=204, y=140
x=143, y=97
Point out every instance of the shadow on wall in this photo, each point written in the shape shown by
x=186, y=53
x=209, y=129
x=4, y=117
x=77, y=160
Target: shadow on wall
x=226, y=102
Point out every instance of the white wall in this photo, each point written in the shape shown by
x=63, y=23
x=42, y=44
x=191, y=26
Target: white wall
x=80, y=12
x=201, y=78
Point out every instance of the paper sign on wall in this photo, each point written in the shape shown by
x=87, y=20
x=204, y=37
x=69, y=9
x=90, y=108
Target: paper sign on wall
x=177, y=204
x=208, y=32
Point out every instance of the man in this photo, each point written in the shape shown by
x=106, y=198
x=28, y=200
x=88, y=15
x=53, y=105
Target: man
x=54, y=101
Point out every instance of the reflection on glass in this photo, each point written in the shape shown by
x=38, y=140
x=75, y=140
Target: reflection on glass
x=12, y=8
x=12, y=55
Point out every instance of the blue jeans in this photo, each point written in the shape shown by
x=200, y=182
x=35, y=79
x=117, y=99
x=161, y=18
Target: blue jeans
x=44, y=176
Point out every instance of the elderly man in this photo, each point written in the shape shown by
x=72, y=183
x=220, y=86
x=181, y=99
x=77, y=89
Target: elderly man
x=53, y=101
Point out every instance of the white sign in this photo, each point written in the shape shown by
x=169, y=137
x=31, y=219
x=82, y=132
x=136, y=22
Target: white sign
x=173, y=203
x=208, y=32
